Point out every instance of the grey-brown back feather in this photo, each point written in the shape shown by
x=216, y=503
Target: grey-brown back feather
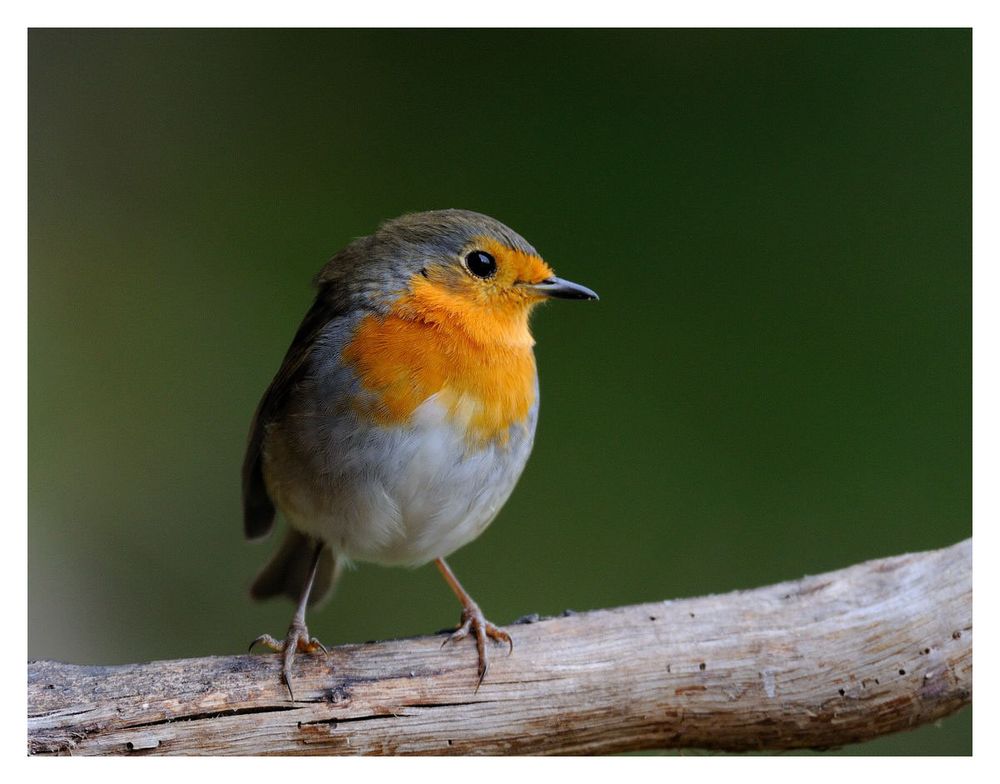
x=258, y=508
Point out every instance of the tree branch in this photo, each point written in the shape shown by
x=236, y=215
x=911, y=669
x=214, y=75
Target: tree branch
x=823, y=661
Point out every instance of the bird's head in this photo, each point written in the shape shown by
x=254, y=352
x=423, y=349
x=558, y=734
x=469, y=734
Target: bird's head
x=455, y=265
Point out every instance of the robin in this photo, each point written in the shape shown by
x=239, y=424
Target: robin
x=403, y=413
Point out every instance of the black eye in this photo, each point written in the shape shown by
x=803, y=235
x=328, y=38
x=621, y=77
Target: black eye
x=481, y=264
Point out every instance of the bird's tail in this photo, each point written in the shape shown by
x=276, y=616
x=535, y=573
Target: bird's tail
x=286, y=573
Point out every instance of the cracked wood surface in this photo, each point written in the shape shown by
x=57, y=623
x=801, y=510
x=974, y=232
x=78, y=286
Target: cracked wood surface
x=824, y=661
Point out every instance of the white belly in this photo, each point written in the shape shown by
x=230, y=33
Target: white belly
x=402, y=495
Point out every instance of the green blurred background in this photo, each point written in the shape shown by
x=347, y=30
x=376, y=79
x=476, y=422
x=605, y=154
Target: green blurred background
x=776, y=381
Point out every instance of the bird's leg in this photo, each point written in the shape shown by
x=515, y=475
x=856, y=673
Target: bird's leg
x=298, y=638
x=473, y=621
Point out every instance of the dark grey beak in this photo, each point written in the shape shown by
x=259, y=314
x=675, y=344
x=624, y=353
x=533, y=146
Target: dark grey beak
x=557, y=288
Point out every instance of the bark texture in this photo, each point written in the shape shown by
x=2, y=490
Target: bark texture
x=823, y=661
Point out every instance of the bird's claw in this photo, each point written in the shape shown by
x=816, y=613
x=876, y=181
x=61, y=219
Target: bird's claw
x=475, y=623
x=296, y=641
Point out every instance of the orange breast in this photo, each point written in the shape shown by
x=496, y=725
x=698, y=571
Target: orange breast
x=478, y=362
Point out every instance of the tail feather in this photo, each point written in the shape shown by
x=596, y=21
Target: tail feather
x=287, y=571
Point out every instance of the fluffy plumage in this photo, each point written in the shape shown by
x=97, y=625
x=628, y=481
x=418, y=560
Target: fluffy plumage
x=405, y=409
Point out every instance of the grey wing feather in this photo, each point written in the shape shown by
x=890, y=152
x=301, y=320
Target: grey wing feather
x=258, y=508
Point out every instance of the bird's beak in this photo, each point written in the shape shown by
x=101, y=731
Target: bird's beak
x=557, y=288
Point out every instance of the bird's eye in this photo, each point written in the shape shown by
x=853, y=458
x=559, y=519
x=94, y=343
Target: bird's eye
x=481, y=264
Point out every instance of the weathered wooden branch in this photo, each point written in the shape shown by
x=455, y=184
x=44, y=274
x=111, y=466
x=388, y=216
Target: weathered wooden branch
x=823, y=661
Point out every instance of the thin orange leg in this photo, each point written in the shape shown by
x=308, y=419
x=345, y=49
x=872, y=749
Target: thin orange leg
x=473, y=621
x=298, y=639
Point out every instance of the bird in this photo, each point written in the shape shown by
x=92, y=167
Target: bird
x=402, y=415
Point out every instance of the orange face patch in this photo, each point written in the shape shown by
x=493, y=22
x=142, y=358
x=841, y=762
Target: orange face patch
x=513, y=266
x=463, y=339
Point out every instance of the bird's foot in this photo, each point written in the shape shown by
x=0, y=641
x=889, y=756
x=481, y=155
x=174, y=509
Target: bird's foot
x=475, y=623
x=297, y=641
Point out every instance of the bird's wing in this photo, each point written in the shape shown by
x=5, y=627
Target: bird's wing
x=258, y=509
